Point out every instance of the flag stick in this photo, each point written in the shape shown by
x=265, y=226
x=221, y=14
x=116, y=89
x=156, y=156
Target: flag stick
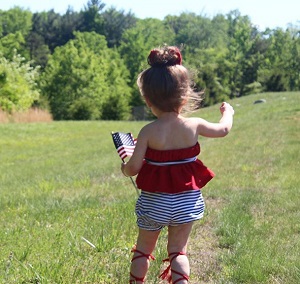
x=136, y=189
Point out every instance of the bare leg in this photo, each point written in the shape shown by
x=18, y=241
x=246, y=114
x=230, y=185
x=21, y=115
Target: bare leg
x=177, y=242
x=146, y=243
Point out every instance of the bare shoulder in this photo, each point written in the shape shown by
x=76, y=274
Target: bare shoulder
x=195, y=121
x=145, y=133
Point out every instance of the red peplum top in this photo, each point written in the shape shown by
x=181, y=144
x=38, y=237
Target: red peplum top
x=155, y=176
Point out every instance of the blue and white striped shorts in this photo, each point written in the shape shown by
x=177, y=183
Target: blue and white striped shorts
x=157, y=210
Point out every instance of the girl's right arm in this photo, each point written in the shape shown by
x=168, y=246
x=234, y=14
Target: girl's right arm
x=220, y=129
x=133, y=166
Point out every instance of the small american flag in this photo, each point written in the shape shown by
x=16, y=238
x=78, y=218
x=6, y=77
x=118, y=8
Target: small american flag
x=124, y=143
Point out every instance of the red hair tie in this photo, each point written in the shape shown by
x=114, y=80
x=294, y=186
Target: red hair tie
x=170, y=57
x=151, y=58
x=178, y=56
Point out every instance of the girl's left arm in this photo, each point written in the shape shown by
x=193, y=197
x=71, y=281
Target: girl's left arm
x=133, y=166
x=219, y=129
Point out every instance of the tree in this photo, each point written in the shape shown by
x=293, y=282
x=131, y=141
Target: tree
x=38, y=49
x=18, y=90
x=136, y=44
x=49, y=27
x=294, y=70
x=50, y=30
x=280, y=69
x=15, y=20
x=91, y=18
x=241, y=55
x=15, y=24
x=39, y=52
x=192, y=30
x=68, y=23
x=115, y=23
x=84, y=78
x=12, y=42
x=209, y=77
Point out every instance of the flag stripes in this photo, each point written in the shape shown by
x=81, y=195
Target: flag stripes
x=124, y=143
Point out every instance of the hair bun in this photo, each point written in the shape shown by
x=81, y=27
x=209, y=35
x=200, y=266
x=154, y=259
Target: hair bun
x=166, y=56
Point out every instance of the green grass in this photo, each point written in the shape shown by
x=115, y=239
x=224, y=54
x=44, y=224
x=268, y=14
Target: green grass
x=61, y=181
x=258, y=227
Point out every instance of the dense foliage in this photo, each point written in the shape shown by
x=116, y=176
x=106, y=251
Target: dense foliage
x=89, y=60
x=17, y=84
x=84, y=79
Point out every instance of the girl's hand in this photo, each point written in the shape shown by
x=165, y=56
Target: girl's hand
x=226, y=107
x=123, y=169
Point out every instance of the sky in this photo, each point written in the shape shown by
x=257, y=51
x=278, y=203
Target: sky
x=262, y=13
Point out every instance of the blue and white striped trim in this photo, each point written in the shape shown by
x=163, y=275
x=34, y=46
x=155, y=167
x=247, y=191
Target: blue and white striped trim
x=184, y=161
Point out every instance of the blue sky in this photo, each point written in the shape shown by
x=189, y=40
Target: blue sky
x=262, y=13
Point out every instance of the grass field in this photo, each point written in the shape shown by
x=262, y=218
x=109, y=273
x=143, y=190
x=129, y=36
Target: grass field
x=60, y=182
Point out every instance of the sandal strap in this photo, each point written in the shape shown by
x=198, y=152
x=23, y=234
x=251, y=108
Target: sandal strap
x=166, y=274
x=148, y=256
x=184, y=276
x=139, y=279
x=175, y=254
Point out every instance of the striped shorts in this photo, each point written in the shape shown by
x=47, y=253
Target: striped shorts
x=157, y=210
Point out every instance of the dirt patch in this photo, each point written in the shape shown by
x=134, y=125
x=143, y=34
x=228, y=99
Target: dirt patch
x=204, y=248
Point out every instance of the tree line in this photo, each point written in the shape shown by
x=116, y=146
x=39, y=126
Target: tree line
x=84, y=65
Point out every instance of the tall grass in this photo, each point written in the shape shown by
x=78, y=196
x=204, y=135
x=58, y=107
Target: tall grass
x=61, y=185
x=31, y=115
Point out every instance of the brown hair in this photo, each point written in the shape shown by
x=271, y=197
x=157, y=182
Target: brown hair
x=167, y=84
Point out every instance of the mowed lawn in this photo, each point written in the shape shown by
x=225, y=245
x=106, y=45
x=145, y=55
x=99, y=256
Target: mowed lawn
x=67, y=213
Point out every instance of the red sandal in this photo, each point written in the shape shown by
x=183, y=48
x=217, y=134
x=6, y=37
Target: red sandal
x=148, y=256
x=166, y=274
